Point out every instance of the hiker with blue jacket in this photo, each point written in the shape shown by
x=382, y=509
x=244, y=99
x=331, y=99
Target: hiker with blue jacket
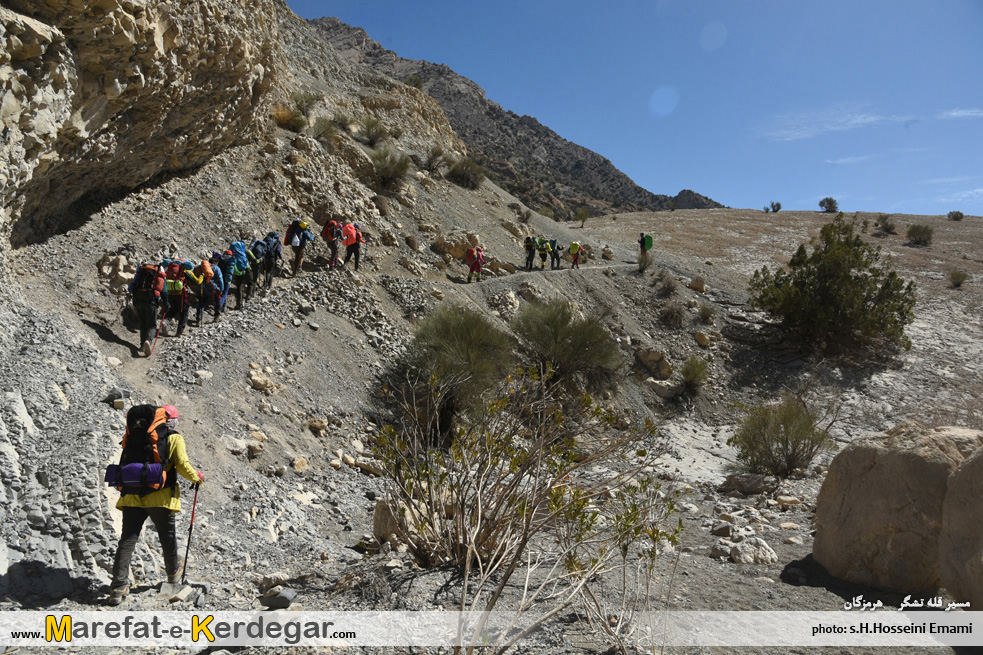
x=298, y=236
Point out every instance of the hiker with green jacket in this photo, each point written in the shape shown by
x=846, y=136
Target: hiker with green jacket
x=160, y=506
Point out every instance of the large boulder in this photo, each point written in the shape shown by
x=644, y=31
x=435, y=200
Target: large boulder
x=879, y=512
x=961, y=539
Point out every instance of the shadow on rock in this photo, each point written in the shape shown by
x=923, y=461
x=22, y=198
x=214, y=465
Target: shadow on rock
x=36, y=585
x=107, y=335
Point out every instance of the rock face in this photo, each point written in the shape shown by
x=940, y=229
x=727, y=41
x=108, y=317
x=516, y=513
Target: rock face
x=879, y=513
x=522, y=155
x=961, y=539
x=122, y=91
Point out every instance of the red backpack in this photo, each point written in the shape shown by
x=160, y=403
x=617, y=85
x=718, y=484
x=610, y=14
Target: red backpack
x=149, y=284
x=470, y=256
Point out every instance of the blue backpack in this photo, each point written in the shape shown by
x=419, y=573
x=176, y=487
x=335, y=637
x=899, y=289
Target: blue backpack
x=274, y=248
x=238, y=249
x=258, y=249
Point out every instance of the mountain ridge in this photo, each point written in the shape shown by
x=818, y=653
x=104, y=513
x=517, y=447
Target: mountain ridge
x=521, y=154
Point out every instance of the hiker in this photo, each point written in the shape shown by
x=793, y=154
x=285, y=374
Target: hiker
x=298, y=236
x=242, y=276
x=178, y=302
x=257, y=249
x=331, y=233
x=574, y=251
x=544, y=250
x=530, y=251
x=151, y=437
x=209, y=291
x=352, y=239
x=145, y=289
x=475, y=257
x=224, y=263
x=555, y=249
x=274, y=253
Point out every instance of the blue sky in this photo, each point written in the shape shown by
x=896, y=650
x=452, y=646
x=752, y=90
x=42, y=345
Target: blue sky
x=876, y=103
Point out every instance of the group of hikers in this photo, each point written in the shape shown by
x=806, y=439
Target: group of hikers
x=549, y=248
x=169, y=290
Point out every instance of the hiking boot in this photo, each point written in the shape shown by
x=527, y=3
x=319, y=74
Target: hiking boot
x=116, y=597
x=174, y=578
x=146, y=348
x=180, y=331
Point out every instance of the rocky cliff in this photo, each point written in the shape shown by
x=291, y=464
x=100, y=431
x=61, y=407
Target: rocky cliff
x=100, y=97
x=527, y=158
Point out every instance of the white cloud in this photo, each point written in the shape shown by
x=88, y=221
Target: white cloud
x=805, y=125
x=947, y=180
x=845, y=161
x=969, y=195
x=961, y=113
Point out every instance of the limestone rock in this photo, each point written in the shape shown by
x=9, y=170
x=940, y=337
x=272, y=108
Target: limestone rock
x=961, y=537
x=753, y=550
x=749, y=484
x=607, y=253
x=879, y=513
x=655, y=361
x=702, y=339
x=260, y=382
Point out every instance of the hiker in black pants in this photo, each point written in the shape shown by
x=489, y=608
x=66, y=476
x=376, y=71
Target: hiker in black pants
x=146, y=288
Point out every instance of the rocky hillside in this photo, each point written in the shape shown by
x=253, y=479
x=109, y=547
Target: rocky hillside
x=531, y=161
x=280, y=399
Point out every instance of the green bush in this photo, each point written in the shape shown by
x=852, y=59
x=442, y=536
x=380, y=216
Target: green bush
x=415, y=81
x=466, y=173
x=841, y=291
x=434, y=160
x=885, y=224
x=778, y=439
x=325, y=132
x=342, y=121
x=956, y=216
x=390, y=168
x=568, y=345
x=582, y=215
x=695, y=373
x=304, y=102
x=546, y=211
x=673, y=314
x=776, y=207
x=707, y=314
x=920, y=235
x=372, y=131
x=957, y=277
x=829, y=205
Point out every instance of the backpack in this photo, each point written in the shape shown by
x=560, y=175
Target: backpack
x=293, y=230
x=174, y=277
x=329, y=229
x=204, y=269
x=553, y=244
x=274, y=248
x=149, y=284
x=574, y=247
x=470, y=256
x=238, y=249
x=530, y=242
x=143, y=465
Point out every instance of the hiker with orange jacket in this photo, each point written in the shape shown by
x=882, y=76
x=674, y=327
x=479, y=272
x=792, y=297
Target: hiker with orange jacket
x=151, y=435
x=351, y=238
x=330, y=234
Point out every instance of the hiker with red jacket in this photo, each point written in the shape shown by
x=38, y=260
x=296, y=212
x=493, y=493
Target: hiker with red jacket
x=146, y=288
x=475, y=257
x=151, y=437
x=351, y=238
x=178, y=294
x=298, y=236
x=209, y=291
x=331, y=233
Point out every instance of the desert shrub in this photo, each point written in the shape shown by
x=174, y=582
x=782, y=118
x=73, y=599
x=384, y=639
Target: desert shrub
x=707, y=314
x=829, y=205
x=525, y=216
x=956, y=216
x=546, y=211
x=841, y=290
x=667, y=284
x=325, y=132
x=778, y=439
x=390, y=167
x=434, y=159
x=342, y=121
x=776, y=207
x=415, y=81
x=582, y=215
x=673, y=205
x=885, y=224
x=957, y=277
x=396, y=133
x=304, y=102
x=567, y=345
x=765, y=209
x=644, y=260
x=466, y=173
x=919, y=235
x=289, y=119
x=509, y=490
x=372, y=131
x=695, y=373
x=673, y=314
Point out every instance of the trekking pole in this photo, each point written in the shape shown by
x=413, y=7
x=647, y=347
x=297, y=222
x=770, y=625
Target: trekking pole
x=159, y=328
x=184, y=569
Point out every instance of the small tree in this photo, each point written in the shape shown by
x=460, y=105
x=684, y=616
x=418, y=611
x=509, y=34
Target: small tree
x=839, y=291
x=956, y=216
x=776, y=207
x=582, y=215
x=829, y=205
x=920, y=235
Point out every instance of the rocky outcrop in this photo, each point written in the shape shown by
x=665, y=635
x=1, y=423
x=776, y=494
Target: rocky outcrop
x=98, y=98
x=879, y=513
x=961, y=539
x=525, y=157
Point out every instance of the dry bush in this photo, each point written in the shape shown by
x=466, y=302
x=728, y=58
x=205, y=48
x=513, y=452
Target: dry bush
x=390, y=168
x=325, y=132
x=695, y=372
x=919, y=235
x=707, y=314
x=644, y=261
x=667, y=285
x=289, y=119
x=372, y=131
x=673, y=314
x=466, y=173
x=957, y=277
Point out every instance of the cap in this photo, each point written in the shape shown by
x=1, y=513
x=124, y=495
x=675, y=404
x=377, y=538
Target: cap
x=228, y=252
x=171, y=411
x=303, y=225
